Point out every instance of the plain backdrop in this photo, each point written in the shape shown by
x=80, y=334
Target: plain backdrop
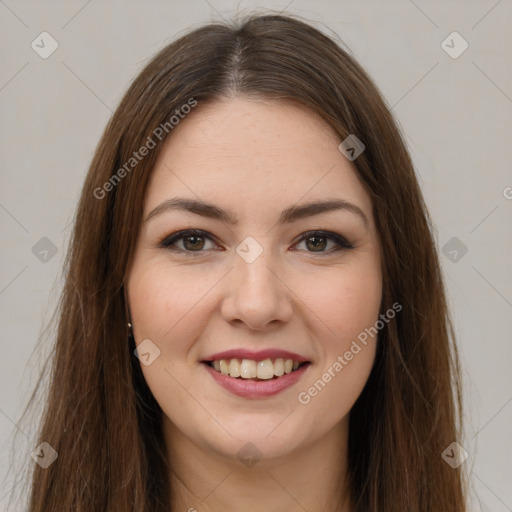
x=453, y=105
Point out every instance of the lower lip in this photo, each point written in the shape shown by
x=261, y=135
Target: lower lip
x=248, y=388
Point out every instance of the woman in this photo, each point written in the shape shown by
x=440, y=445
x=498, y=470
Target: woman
x=254, y=316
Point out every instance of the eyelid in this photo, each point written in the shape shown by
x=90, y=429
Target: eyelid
x=340, y=240
x=167, y=241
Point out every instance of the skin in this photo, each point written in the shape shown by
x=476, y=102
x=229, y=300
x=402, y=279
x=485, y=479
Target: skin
x=255, y=158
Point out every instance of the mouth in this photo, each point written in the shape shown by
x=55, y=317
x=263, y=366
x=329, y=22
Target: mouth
x=250, y=369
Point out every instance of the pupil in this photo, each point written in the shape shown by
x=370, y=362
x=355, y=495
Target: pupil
x=316, y=244
x=196, y=238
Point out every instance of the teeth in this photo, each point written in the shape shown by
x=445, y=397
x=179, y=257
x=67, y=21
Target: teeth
x=250, y=369
x=234, y=368
x=279, y=367
x=224, y=367
x=265, y=369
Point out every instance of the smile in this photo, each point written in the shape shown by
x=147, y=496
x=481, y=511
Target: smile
x=251, y=369
x=277, y=375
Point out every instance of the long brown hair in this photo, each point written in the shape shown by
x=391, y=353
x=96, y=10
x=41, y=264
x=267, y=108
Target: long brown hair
x=99, y=414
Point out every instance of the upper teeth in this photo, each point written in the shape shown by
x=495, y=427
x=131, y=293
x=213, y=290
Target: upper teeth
x=250, y=369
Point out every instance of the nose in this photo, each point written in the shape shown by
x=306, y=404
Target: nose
x=257, y=294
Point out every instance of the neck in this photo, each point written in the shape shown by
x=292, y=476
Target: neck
x=310, y=478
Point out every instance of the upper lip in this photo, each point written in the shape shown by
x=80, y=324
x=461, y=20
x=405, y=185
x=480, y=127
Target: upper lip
x=270, y=353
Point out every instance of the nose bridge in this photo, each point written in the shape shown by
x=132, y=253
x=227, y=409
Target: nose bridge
x=256, y=295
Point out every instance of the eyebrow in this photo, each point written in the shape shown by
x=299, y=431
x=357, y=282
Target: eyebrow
x=287, y=216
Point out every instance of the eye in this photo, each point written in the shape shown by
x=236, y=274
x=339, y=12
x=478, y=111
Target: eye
x=317, y=240
x=193, y=241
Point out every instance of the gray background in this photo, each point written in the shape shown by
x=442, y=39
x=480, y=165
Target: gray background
x=455, y=113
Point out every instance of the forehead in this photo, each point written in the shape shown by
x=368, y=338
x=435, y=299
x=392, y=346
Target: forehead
x=254, y=153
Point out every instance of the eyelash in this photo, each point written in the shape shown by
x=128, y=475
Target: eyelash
x=168, y=241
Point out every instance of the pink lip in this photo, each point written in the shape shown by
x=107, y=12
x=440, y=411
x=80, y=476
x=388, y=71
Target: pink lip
x=256, y=356
x=248, y=388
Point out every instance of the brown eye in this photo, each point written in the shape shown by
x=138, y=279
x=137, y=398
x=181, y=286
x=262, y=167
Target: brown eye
x=192, y=241
x=317, y=241
x=195, y=242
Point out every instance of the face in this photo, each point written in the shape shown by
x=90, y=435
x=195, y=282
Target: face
x=301, y=285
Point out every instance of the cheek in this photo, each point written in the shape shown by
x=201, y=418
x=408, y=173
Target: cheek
x=165, y=304
x=348, y=308
x=346, y=303
x=168, y=308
